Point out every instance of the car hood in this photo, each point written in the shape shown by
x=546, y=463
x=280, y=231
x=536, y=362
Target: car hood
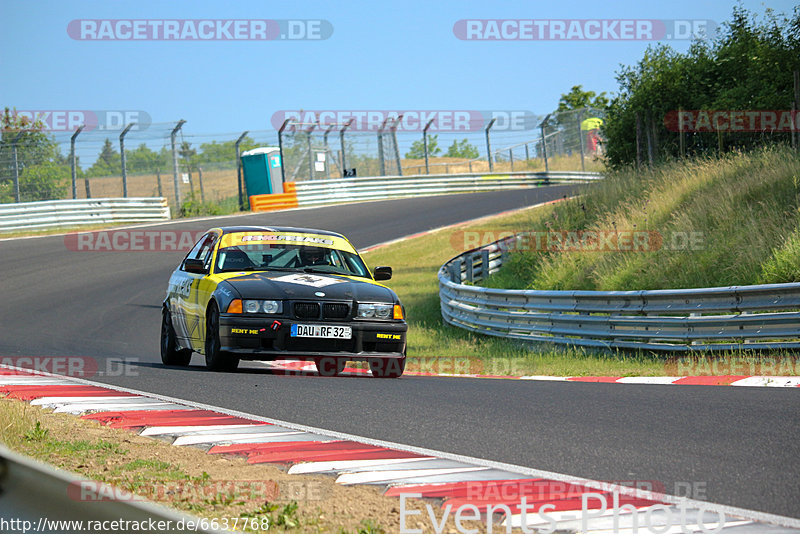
x=299, y=286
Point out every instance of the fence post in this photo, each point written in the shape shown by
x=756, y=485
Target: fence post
x=200, y=179
x=795, y=132
x=544, y=142
x=239, y=164
x=580, y=137
x=341, y=141
x=175, y=163
x=73, y=160
x=123, y=160
x=489, y=144
x=528, y=154
x=638, y=139
x=396, y=148
x=380, y=147
x=158, y=179
x=681, y=139
x=425, y=145
x=310, y=150
x=511, y=158
x=16, y=167
x=327, y=150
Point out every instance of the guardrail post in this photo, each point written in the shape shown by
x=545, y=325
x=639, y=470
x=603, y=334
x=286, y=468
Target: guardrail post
x=470, y=273
x=239, y=177
x=396, y=148
x=489, y=144
x=455, y=271
x=484, y=264
x=73, y=160
x=16, y=166
x=341, y=141
x=425, y=145
x=123, y=160
x=544, y=142
x=175, y=162
x=380, y=147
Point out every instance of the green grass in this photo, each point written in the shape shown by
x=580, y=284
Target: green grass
x=434, y=346
x=742, y=209
x=745, y=207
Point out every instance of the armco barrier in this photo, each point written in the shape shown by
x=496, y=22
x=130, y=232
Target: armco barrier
x=717, y=318
x=63, y=213
x=43, y=499
x=383, y=187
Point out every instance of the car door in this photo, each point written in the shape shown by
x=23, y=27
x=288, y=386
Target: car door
x=188, y=304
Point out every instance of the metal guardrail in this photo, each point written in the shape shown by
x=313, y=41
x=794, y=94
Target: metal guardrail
x=44, y=499
x=717, y=318
x=61, y=213
x=383, y=187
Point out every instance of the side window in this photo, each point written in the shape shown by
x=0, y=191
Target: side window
x=202, y=249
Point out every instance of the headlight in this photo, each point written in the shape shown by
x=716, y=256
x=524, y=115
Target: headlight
x=263, y=306
x=376, y=311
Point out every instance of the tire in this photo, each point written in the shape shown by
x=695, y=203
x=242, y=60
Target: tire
x=387, y=368
x=216, y=360
x=330, y=366
x=170, y=353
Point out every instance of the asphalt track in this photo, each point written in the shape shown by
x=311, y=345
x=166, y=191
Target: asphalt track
x=738, y=446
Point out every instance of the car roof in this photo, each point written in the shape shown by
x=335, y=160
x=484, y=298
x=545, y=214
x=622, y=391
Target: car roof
x=233, y=229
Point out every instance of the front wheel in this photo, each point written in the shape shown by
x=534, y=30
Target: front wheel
x=170, y=353
x=388, y=367
x=217, y=360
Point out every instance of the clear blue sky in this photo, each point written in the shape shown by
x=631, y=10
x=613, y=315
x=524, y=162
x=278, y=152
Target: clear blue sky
x=382, y=55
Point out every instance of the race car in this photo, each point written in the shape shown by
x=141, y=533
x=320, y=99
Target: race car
x=266, y=293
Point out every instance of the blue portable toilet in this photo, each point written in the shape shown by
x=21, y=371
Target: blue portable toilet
x=262, y=170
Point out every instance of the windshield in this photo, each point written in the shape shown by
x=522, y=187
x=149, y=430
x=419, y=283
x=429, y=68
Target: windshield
x=289, y=257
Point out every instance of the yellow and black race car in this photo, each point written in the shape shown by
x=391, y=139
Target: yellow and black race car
x=282, y=293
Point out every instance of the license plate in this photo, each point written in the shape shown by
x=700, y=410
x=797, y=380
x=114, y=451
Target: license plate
x=321, y=330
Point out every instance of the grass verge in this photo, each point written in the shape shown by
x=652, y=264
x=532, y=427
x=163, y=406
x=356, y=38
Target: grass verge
x=436, y=347
x=221, y=487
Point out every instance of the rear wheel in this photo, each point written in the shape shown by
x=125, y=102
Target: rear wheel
x=387, y=367
x=217, y=360
x=170, y=353
x=329, y=366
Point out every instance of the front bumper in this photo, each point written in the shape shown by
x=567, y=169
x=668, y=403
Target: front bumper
x=256, y=338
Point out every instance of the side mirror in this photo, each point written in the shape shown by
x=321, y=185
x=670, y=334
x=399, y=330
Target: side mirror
x=382, y=273
x=195, y=266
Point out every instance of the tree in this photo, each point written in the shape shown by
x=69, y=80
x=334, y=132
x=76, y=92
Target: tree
x=417, y=150
x=108, y=163
x=462, y=149
x=40, y=165
x=577, y=98
x=224, y=152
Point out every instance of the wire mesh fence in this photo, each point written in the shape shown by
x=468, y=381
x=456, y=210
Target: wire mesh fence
x=190, y=168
